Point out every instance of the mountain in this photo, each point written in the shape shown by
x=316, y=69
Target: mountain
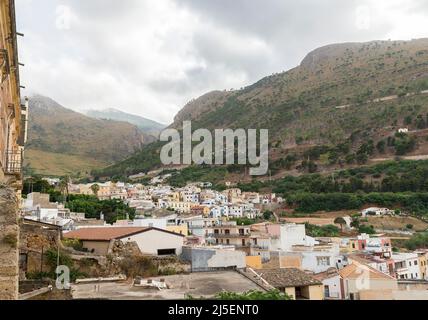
x=61, y=141
x=342, y=106
x=147, y=126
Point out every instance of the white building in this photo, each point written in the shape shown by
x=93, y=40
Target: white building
x=406, y=265
x=235, y=211
x=149, y=240
x=294, y=235
x=374, y=211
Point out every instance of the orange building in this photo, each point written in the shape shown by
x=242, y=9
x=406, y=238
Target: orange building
x=12, y=114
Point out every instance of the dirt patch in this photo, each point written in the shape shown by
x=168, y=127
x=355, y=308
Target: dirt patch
x=397, y=223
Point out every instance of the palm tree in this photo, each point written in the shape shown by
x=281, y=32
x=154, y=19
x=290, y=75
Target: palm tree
x=63, y=186
x=95, y=189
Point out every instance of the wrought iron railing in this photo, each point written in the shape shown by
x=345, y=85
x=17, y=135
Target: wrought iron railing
x=13, y=162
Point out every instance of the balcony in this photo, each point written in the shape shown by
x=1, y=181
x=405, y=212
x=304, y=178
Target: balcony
x=260, y=247
x=13, y=163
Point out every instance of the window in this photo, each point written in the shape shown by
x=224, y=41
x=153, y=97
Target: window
x=327, y=291
x=323, y=261
x=166, y=252
x=416, y=262
x=227, y=241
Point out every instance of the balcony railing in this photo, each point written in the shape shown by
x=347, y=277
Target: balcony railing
x=225, y=235
x=13, y=162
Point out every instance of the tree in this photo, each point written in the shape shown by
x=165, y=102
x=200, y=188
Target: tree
x=340, y=221
x=63, y=187
x=355, y=223
x=267, y=215
x=95, y=189
x=381, y=146
x=366, y=229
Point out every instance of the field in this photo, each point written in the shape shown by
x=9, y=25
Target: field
x=395, y=223
x=56, y=164
x=386, y=222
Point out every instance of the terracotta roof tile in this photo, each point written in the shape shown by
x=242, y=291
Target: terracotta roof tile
x=287, y=277
x=357, y=270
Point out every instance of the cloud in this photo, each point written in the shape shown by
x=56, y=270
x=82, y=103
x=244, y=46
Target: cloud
x=151, y=57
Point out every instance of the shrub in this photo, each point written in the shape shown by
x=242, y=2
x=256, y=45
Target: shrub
x=418, y=241
x=253, y=295
x=366, y=229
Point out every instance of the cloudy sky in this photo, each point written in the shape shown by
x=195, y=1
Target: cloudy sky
x=150, y=57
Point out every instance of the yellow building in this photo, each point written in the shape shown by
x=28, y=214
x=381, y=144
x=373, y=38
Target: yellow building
x=180, y=229
x=423, y=259
x=294, y=282
x=182, y=207
x=12, y=114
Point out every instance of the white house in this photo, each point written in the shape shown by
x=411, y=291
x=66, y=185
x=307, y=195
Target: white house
x=374, y=211
x=235, y=211
x=406, y=265
x=331, y=282
x=292, y=234
x=150, y=241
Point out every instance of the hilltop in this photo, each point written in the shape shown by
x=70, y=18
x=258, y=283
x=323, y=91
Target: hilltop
x=62, y=141
x=150, y=128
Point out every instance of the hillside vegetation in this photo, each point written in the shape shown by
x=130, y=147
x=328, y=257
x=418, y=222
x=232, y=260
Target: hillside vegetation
x=341, y=107
x=61, y=141
x=151, y=129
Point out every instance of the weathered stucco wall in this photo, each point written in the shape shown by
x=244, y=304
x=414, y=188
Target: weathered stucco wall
x=9, y=238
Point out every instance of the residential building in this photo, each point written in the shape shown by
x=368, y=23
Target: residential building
x=331, y=281
x=374, y=211
x=13, y=115
x=361, y=282
x=315, y=258
x=205, y=259
x=423, y=259
x=150, y=241
x=406, y=266
x=294, y=282
x=229, y=233
x=294, y=235
x=380, y=264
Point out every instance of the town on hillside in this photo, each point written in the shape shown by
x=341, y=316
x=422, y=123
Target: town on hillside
x=185, y=154
x=176, y=242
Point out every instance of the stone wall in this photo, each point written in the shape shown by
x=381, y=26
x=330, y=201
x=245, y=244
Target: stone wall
x=9, y=239
x=35, y=240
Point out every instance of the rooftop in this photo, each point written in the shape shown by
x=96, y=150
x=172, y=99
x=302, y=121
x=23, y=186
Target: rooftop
x=109, y=233
x=356, y=271
x=287, y=277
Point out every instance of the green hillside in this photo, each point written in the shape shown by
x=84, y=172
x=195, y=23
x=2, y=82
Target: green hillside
x=61, y=141
x=342, y=106
x=150, y=128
